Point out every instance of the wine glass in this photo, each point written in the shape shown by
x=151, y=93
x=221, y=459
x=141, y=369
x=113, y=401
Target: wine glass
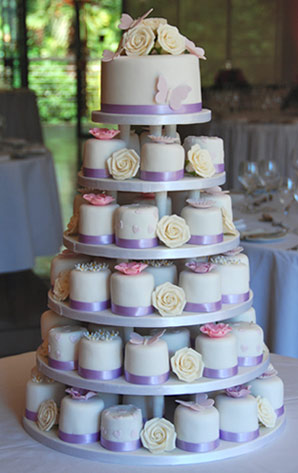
x=269, y=175
x=286, y=193
x=248, y=175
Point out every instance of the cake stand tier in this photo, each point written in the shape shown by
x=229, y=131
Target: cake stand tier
x=158, y=252
x=188, y=183
x=171, y=119
x=172, y=387
x=142, y=457
x=106, y=317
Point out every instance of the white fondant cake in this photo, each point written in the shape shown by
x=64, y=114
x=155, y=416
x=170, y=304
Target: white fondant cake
x=135, y=226
x=96, y=224
x=50, y=319
x=63, y=346
x=234, y=278
x=162, y=162
x=213, y=144
x=90, y=287
x=247, y=316
x=205, y=224
x=202, y=290
x=64, y=261
x=219, y=199
x=121, y=427
x=176, y=338
x=162, y=271
x=151, y=406
x=250, y=339
x=270, y=386
x=95, y=155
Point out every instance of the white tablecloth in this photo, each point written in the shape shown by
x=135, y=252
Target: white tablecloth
x=30, y=218
x=19, y=453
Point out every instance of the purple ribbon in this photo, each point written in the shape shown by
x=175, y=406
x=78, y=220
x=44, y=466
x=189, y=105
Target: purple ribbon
x=96, y=240
x=132, y=311
x=200, y=447
x=63, y=365
x=150, y=109
x=120, y=446
x=222, y=373
x=280, y=411
x=235, y=298
x=203, y=307
x=89, y=306
x=90, y=172
x=102, y=375
x=136, y=379
x=31, y=415
x=78, y=438
x=238, y=437
x=250, y=360
x=131, y=243
x=219, y=168
x=205, y=239
x=162, y=176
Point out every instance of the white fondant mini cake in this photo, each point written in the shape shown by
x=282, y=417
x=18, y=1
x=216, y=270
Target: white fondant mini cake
x=162, y=271
x=50, y=319
x=151, y=406
x=250, y=339
x=234, y=278
x=65, y=261
x=213, y=144
x=121, y=427
x=100, y=355
x=90, y=287
x=247, y=316
x=162, y=162
x=271, y=387
x=95, y=155
x=220, y=199
x=176, y=338
x=135, y=226
x=63, y=346
x=205, y=223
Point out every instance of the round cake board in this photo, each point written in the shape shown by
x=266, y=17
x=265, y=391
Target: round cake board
x=171, y=119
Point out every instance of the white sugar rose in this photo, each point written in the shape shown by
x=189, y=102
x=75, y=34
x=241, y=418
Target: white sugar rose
x=168, y=299
x=228, y=225
x=170, y=40
x=266, y=414
x=123, y=164
x=139, y=40
x=154, y=23
x=47, y=415
x=173, y=231
x=158, y=435
x=61, y=285
x=73, y=225
x=200, y=162
x=187, y=364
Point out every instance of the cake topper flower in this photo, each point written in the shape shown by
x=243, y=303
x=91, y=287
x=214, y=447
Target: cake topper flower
x=80, y=394
x=216, y=330
x=238, y=391
x=202, y=403
x=201, y=203
x=103, y=133
x=234, y=252
x=98, y=199
x=137, y=339
x=270, y=371
x=132, y=268
x=201, y=268
x=167, y=140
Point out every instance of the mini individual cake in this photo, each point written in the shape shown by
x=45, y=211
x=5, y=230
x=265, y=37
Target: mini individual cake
x=238, y=415
x=234, y=278
x=98, y=149
x=151, y=406
x=41, y=388
x=65, y=260
x=197, y=425
x=218, y=347
x=250, y=339
x=96, y=221
x=79, y=419
x=202, y=286
x=162, y=160
x=176, y=338
x=271, y=387
x=134, y=141
x=135, y=226
x=213, y=144
x=247, y=316
x=146, y=360
x=219, y=198
x=100, y=355
x=204, y=221
x=63, y=346
x=50, y=319
x=131, y=290
x=121, y=427
x=90, y=287
x=162, y=271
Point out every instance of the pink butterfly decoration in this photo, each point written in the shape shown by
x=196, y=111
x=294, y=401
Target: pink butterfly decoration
x=163, y=139
x=238, y=391
x=127, y=22
x=234, y=252
x=131, y=268
x=137, y=339
x=215, y=330
x=193, y=49
x=200, y=405
x=98, y=199
x=172, y=96
x=201, y=203
x=201, y=268
x=80, y=394
x=107, y=55
x=103, y=133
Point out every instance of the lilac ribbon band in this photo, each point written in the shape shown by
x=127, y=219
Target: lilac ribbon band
x=31, y=415
x=120, y=446
x=162, y=176
x=89, y=306
x=205, y=239
x=150, y=109
x=238, y=437
x=142, y=243
x=200, y=447
x=222, y=373
x=63, y=365
x=96, y=240
x=102, y=375
x=90, y=172
x=136, y=379
x=219, y=168
x=132, y=311
x=280, y=411
x=250, y=360
x=78, y=438
x=235, y=298
x=203, y=307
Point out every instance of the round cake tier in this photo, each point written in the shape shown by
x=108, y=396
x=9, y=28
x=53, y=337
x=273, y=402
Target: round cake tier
x=158, y=252
x=172, y=387
x=171, y=119
x=188, y=183
x=106, y=317
x=142, y=457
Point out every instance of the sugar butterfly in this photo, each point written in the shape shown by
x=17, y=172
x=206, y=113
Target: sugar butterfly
x=173, y=97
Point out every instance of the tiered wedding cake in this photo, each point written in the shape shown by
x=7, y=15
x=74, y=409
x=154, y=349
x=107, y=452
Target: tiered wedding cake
x=151, y=311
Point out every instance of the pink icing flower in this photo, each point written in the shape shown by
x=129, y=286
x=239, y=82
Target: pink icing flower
x=234, y=252
x=137, y=339
x=163, y=139
x=202, y=403
x=98, y=199
x=103, y=133
x=80, y=394
x=131, y=268
x=197, y=267
x=238, y=391
x=193, y=49
x=201, y=203
x=216, y=330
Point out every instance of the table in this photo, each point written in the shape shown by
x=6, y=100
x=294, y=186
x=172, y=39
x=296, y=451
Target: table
x=21, y=454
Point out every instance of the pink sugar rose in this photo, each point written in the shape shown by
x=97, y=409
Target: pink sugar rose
x=197, y=267
x=238, y=391
x=103, y=133
x=216, y=330
x=131, y=268
x=98, y=199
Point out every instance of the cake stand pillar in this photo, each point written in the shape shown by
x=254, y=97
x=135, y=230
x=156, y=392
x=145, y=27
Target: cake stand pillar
x=161, y=203
x=125, y=133
x=171, y=130
x=155, y=130
x=194, y=194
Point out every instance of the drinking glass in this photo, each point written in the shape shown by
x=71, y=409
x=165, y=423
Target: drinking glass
x=248, y=175
x=286, y=193
x=270, y=177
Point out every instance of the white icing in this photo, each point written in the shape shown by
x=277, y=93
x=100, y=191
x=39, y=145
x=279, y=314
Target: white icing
x=194, y=426
x=218, y=353
x=133, y=290
x=176, y=338
x=147, y=360
x=249, y=337
x=213, y=144
x=80, y=416
x=121, y=423
x=136, y=221
x=96, y=220
x=220, y=200
x=203, y=221
x=101, y=355
x=159, y=157
x=89, y=286
x=36, y=393
x=64, y=342
x=50, y=319
x=271, y=388
x=234, y=276
x=237, y=414
x=62, y=263
x=201, y=287
x=96, y=152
